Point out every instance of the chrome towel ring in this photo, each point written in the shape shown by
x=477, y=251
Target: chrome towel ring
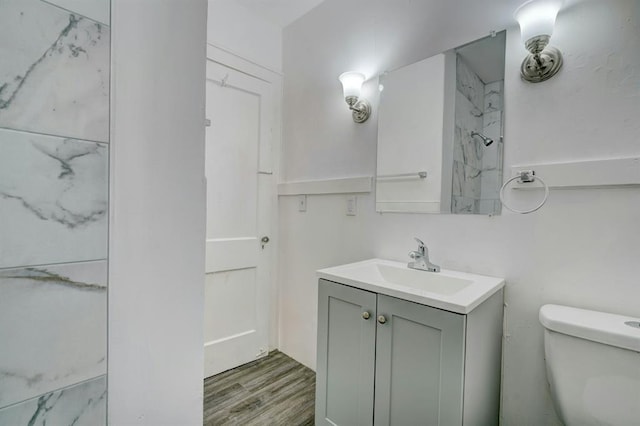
x=525, y=176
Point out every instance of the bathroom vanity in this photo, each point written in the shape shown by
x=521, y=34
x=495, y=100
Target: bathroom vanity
x=397, y=346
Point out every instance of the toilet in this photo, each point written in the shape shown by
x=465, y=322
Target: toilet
x=593, y=365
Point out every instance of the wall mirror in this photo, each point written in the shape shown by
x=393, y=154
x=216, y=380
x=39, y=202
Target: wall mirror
x=440, y=122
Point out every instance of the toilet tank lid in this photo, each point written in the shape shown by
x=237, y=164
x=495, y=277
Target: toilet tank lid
x=601, y=327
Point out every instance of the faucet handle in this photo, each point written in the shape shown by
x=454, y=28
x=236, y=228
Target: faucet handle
x=421, y=245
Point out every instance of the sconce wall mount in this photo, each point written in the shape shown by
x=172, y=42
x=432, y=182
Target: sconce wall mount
x=351, y=86
x=542, y=63
x=537, y=19
x=361, y=108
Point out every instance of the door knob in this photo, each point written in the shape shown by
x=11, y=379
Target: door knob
x=264, y=241
x=382, y=319
x=366, y=315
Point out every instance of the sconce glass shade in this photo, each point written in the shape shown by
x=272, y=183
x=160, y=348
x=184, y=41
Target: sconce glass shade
x=351, y=83
x=537, y=18
x=351, y=86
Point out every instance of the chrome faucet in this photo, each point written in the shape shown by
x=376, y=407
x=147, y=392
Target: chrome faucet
x=421, y=259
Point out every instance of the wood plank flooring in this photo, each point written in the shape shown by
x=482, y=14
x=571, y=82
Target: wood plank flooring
x=275, y=390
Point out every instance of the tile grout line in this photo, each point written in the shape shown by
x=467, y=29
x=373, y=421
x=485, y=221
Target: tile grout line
x=33, y=132
x=91, y=379
x=57, y=6
x=43, y=265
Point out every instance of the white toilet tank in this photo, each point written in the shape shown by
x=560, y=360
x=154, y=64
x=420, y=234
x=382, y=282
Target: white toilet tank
x=593, y=366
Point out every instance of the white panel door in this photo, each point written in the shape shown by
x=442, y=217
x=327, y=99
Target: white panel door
x=239, y=206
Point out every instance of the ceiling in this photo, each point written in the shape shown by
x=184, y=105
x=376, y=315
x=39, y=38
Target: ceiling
x=280, y=12
x=284, y=12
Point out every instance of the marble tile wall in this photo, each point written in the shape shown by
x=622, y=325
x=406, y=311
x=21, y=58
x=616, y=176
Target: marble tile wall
x=53, y=199
x=57, y=79
x=53, y=320
x=54, y=134
x=491, y=179
x=468, y=152
x=98, y=10
x=82, y=404
x=477, y=169
x=493, y=95
x=469, y=84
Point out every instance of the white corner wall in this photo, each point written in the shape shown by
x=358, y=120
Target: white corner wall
x=156, y=255
x=581, y=249
x=240, y=31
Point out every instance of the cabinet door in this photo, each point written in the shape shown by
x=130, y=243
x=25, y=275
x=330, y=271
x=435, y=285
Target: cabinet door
x=346, y=355
x=419, y=365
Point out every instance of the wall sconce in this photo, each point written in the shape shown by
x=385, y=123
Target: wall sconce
x=351, y=86
x=536, y=19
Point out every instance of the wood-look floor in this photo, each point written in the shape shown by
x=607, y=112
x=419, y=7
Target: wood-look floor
x=275, y=390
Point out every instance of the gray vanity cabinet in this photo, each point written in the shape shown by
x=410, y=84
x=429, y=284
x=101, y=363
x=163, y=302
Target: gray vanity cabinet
x=419, y=364
x=346, y=352
x=416, y=358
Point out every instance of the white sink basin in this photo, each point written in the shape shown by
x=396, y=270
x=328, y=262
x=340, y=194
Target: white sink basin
x=453, y=291
x=434, y=282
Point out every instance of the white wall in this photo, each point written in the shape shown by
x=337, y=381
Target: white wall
x=241, y=31
x=156, y=257
x=581, y=249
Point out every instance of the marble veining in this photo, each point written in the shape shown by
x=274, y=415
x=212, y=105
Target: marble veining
x=97, y=10
x=83, y=404
x=65, y=155
x=491, y=179
x=53, y=199
x=468, y=152
x=469, y=84
x=464, y=205
x=493, y=96
x=467, y=149
x=44, y=276
x=54, y=130
x=54, y=320
x=492, y=124
x=466, y=180
x=57, y=81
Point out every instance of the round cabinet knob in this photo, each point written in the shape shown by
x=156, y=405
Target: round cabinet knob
x=366, y=315
x=382, y=319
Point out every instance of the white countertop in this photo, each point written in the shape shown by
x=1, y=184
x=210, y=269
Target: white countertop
x=453, y=291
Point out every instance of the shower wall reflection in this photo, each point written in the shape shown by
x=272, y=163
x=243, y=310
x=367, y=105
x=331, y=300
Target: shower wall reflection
x=54, y=134
x=477, y=161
